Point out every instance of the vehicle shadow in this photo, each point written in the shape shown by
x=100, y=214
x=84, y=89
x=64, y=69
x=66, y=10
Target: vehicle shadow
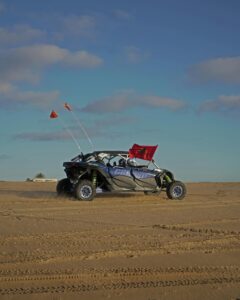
x=53, y=195
x=115, y=195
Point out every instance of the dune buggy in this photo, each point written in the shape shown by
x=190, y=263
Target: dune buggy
x=116, y=171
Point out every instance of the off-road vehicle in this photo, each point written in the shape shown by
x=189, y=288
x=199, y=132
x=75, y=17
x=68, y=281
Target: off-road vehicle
x=116, y=171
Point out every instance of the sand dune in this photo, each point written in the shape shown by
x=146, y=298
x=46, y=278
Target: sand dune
x=127, y=246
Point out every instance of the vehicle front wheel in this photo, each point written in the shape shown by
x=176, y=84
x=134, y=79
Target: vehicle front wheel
x=64, y=187
x=176, y=190
x=85, y=190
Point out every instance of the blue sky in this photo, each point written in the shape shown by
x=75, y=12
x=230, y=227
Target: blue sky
x=147, y=72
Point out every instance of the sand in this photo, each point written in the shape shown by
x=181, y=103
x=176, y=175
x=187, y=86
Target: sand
x=127, y=246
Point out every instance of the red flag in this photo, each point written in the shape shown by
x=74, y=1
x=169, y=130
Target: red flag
x=53, y=115
x=143, y=152
x=67, y=106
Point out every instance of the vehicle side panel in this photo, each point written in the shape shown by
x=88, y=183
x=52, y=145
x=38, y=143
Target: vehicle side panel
x=121, y=177
x=144, y=178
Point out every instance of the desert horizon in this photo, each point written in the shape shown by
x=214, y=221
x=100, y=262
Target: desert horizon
x=57, y=178
x=119, y=246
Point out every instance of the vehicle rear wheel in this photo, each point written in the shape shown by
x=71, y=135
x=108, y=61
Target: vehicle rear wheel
x=64, y=187
x=176, y=190
x=85, y=190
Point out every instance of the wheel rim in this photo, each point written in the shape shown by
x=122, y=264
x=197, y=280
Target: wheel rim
x=177, y=191
x=86, y=191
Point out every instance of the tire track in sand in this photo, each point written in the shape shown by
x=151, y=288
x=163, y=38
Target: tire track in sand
x=122, y=278
x=43, y=274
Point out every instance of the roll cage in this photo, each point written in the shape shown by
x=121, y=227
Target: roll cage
x=108, y=158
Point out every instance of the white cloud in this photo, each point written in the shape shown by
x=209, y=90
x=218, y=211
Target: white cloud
x=12, y=97
x=64, y=134
x=224, y=70
x=82, y=59
x=122, y=14
x=223, y=104
x=129, y=99
x=83, y=25
x=42, y=136
x=157, y=101
x=135, y=55
x=18, y=34
x=5, y=87
x=26, y=63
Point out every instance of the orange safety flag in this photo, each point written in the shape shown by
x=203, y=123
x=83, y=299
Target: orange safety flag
x=53, y=115
x=67, y=106
x=143, y=152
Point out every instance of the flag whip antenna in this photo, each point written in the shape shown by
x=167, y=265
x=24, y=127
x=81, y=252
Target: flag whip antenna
x=54, y=115
x=69, y=108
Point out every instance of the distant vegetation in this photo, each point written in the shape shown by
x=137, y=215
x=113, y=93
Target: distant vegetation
x=40, y=175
